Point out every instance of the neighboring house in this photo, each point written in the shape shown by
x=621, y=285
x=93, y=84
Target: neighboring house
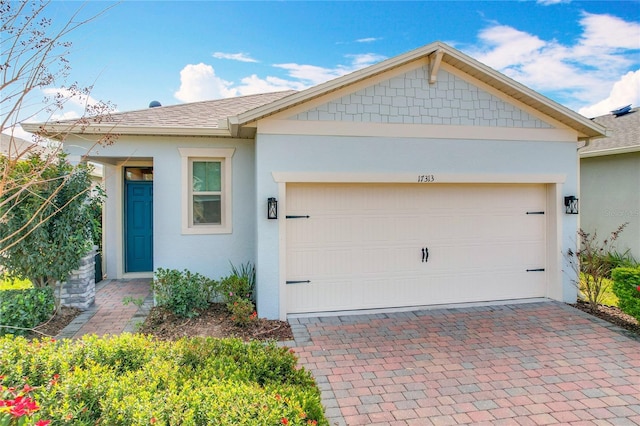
x=14, y=147
x=610, y=181
x=426, y=179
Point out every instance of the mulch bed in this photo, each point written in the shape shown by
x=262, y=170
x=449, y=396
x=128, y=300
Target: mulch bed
x=212, y=322
x=611, y=314
x=59, y=321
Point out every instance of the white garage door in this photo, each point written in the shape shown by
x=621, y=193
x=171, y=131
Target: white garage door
x=388, y=245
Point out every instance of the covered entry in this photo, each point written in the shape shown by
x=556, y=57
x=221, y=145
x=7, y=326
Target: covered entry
x=362, y=246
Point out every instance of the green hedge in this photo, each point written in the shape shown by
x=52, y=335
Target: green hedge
x=626, y=286
x=137, y=380
x=25, y=308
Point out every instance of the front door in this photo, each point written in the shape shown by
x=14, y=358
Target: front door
x=138, y=208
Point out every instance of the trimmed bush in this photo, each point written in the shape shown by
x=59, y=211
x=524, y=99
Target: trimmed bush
x=25, y=309
x=183, y=293
x=626, y=286
x=137, y=380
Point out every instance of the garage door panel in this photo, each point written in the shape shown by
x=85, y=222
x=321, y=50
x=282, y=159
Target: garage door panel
x=362, y=245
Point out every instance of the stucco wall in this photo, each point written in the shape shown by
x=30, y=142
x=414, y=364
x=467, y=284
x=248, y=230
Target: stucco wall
x=298, y=153
x=207, y=254
x=610, y=196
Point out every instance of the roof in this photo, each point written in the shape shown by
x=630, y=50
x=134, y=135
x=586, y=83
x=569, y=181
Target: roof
x=196, y=118
x=623, y=135
x=435, y=53
x=14, y=147
x=241, y=114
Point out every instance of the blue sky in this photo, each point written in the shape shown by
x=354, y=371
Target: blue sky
x=583, y=54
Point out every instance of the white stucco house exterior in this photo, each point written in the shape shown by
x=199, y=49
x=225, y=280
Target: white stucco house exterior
x=426, y=179
x=610, y=181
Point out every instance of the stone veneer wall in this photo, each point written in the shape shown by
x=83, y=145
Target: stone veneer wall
x=79, y=291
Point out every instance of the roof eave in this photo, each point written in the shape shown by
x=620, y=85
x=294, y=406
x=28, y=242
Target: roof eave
x=60, y=130
x=610, y=151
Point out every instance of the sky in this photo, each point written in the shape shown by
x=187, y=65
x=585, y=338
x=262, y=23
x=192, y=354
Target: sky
x=582, y=54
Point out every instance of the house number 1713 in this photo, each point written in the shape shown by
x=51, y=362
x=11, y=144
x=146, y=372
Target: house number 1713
x=426, y=178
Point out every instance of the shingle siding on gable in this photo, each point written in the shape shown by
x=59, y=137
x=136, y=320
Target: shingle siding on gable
x=409, y=99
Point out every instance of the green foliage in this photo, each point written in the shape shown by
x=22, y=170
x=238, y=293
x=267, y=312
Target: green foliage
x=25, y=309
x=96, y=202
x=183, y=293
x=47, y=229
x=615, y=259
x=608, y=297
x=626, y=285
x=589, y=263
x=246, y=272
x=137, y=380
x=242, y=311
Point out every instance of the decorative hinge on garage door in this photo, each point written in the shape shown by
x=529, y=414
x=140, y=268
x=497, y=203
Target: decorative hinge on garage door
x=535, y=212
x=298, y=282
x=536, y=270
x=297, y=217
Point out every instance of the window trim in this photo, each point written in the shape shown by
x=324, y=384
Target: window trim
x=188, y=156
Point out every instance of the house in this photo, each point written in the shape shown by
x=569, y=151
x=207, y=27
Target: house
x=610, y=180
x=428, y=178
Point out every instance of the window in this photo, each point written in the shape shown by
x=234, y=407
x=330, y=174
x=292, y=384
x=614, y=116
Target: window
x=206, y=190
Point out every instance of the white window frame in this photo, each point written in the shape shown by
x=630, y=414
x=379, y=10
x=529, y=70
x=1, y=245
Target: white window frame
x=188, y=156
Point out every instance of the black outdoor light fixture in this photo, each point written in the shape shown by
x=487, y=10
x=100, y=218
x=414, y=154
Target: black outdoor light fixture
x=571, y=205
x=272, y=208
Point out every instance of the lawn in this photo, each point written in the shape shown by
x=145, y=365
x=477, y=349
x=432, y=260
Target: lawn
x=13, y=284
x=608, y=298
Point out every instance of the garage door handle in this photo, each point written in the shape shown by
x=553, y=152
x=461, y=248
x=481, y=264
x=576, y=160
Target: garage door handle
x=536, y=270
x=425, y=255
x=298, y=282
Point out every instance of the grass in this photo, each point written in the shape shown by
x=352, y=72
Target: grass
x=608, y=298
x=13, y=284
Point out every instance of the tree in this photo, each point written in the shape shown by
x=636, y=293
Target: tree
x=34, y=179
x=55, y=234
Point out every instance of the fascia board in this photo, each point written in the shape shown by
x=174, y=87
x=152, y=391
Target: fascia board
x=610, y=151
x=63, y=129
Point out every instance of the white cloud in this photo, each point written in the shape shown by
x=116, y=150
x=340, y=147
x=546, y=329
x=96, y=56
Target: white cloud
x=242, y=57
x=253, y=84
x=624, y=92
x=367, y=40
x=577, y=74
x=312, y=75
x=551, y=2
x=200, y=82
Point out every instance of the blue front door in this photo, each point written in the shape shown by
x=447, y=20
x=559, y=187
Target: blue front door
x=138, y=226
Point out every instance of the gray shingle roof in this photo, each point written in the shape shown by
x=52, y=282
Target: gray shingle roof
x=622, y=132
x=204, y=114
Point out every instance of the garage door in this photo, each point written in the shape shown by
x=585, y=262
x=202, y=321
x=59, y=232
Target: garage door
x=362, y=246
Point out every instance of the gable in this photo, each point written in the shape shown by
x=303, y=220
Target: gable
x=408, y=98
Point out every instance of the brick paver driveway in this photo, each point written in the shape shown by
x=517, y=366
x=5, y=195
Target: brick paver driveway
x=522, y=364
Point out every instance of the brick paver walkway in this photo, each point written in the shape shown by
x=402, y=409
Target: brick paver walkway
x=525, y=364
x=109, y=315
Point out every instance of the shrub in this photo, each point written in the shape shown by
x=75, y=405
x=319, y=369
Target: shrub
x=22, y=310
x=137, y=380
x=183, y=293
x=626, y=286
x=242, y=311
x=235, y=287
x=589, y=259
x=616, y=259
